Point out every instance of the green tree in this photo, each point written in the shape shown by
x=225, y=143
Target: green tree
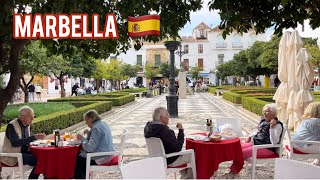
x=113, y=71
x=33, y=61
x=195, y=72
x=269, y=57
x=174, y=15
x=78, y=64
x=225, y=70
x=241, y=15
x=315, y=52
x=165, y=70
x=151, y=71
x=100, y=72
x=129, y=71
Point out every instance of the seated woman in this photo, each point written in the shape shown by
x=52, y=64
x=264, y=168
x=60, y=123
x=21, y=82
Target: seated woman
x=99, y=139
x=269, y=131
x=309, y=130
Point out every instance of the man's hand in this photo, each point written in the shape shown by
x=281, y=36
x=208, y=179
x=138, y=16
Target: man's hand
x=273, y=123
x=179, y=126
x=40, y=136
x=248, y=139
x=79, y=137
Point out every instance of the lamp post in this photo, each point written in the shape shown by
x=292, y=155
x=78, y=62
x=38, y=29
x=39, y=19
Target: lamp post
x=180, y=53
x=172, y=98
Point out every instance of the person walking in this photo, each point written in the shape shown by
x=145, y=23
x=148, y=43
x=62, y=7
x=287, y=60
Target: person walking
x=31, y=89
x=38, y=91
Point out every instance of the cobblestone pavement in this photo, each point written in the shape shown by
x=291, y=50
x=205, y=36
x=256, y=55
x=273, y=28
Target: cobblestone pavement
x=193, y=112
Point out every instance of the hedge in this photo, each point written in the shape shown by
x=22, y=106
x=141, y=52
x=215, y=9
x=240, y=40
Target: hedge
x=212, y=90
x=40, y=109
x=64, y=119
x=253, y=104
x=116, y=101
x=236, y=96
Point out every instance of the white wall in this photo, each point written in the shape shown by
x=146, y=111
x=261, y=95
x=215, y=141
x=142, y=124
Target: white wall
x=52, y=90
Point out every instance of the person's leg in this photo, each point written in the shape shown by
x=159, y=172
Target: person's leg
x=80, y=169
x=32, y=161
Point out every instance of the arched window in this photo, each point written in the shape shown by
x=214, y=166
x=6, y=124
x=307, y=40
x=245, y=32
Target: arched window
x=221, y=43
x=237, y=41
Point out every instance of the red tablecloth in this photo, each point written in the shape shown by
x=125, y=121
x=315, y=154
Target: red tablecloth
x=56, y=162
x=210, y=154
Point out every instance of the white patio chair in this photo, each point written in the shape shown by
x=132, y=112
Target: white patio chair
x=156, y=149
x=150, y=168
x=235, y=123
x=114, y=165
x=19, y=167
x=295, y=154
x=269, y=160
x=291, y=169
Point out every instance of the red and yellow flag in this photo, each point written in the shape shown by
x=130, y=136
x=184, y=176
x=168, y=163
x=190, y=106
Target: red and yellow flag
x=144, y=25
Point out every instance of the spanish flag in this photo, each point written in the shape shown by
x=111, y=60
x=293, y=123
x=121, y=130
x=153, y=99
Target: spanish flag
x=144, y=25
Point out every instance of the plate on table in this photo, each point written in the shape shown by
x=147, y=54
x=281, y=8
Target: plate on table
x=73, y=142
x=197, y=137
x=228, y=135
x=40, y=143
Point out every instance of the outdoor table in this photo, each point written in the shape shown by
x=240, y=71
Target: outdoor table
x=210, y=154
x=55, y=162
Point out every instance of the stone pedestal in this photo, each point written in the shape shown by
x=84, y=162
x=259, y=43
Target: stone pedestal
x=182, y=85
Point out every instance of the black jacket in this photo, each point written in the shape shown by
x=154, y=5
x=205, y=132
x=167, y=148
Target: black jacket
x=170, y=142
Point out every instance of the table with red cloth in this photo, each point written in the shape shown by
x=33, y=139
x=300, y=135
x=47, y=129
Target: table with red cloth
x=210, y=154
x=56, y=162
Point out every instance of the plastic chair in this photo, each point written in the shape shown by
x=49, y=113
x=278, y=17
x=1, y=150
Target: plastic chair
x=150, y=168
x=295, y=154
x=269, y=160
x=19, y=167
x=156, y=149
x=235, y=123
x=291, y=169
x=113, y=165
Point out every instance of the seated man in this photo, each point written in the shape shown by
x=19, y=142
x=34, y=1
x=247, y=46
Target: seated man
x=269, y=132
x=159, y=128
x=17, y=139
x=99, y=139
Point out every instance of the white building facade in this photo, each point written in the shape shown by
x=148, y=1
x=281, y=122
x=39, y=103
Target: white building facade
x=206, y=48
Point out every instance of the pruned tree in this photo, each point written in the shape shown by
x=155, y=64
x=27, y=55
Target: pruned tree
x=33, y=61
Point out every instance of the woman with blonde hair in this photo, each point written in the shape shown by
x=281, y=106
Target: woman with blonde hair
x=309, y=130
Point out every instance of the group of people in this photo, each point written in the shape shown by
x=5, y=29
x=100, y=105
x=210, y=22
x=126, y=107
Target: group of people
x=18, y=137
x=34, y=89
x=99, y=138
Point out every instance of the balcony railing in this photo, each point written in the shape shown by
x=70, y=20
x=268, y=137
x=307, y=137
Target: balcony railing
x=221, y=45
x=237, y=44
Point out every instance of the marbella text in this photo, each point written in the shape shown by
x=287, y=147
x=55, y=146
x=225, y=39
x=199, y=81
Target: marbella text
x=62, y=26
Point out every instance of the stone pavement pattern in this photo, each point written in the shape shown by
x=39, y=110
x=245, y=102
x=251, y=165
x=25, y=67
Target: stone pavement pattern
x=193, y=113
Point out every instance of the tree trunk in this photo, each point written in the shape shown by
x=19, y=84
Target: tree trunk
x=24, y=86
x=98, y=83
x=7, y=93
x=63, y=92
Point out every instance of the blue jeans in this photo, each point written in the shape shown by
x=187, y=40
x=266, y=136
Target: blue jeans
x=31, y=96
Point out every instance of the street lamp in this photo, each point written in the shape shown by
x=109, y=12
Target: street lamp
x=180, y=53
x=172, y=98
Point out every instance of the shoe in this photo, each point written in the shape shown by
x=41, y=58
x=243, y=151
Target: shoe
x=229, y=175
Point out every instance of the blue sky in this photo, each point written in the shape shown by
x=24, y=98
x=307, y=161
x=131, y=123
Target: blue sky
x=212, y=19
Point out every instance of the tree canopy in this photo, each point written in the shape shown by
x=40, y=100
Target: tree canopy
x=173, y=16
x=242, y=15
